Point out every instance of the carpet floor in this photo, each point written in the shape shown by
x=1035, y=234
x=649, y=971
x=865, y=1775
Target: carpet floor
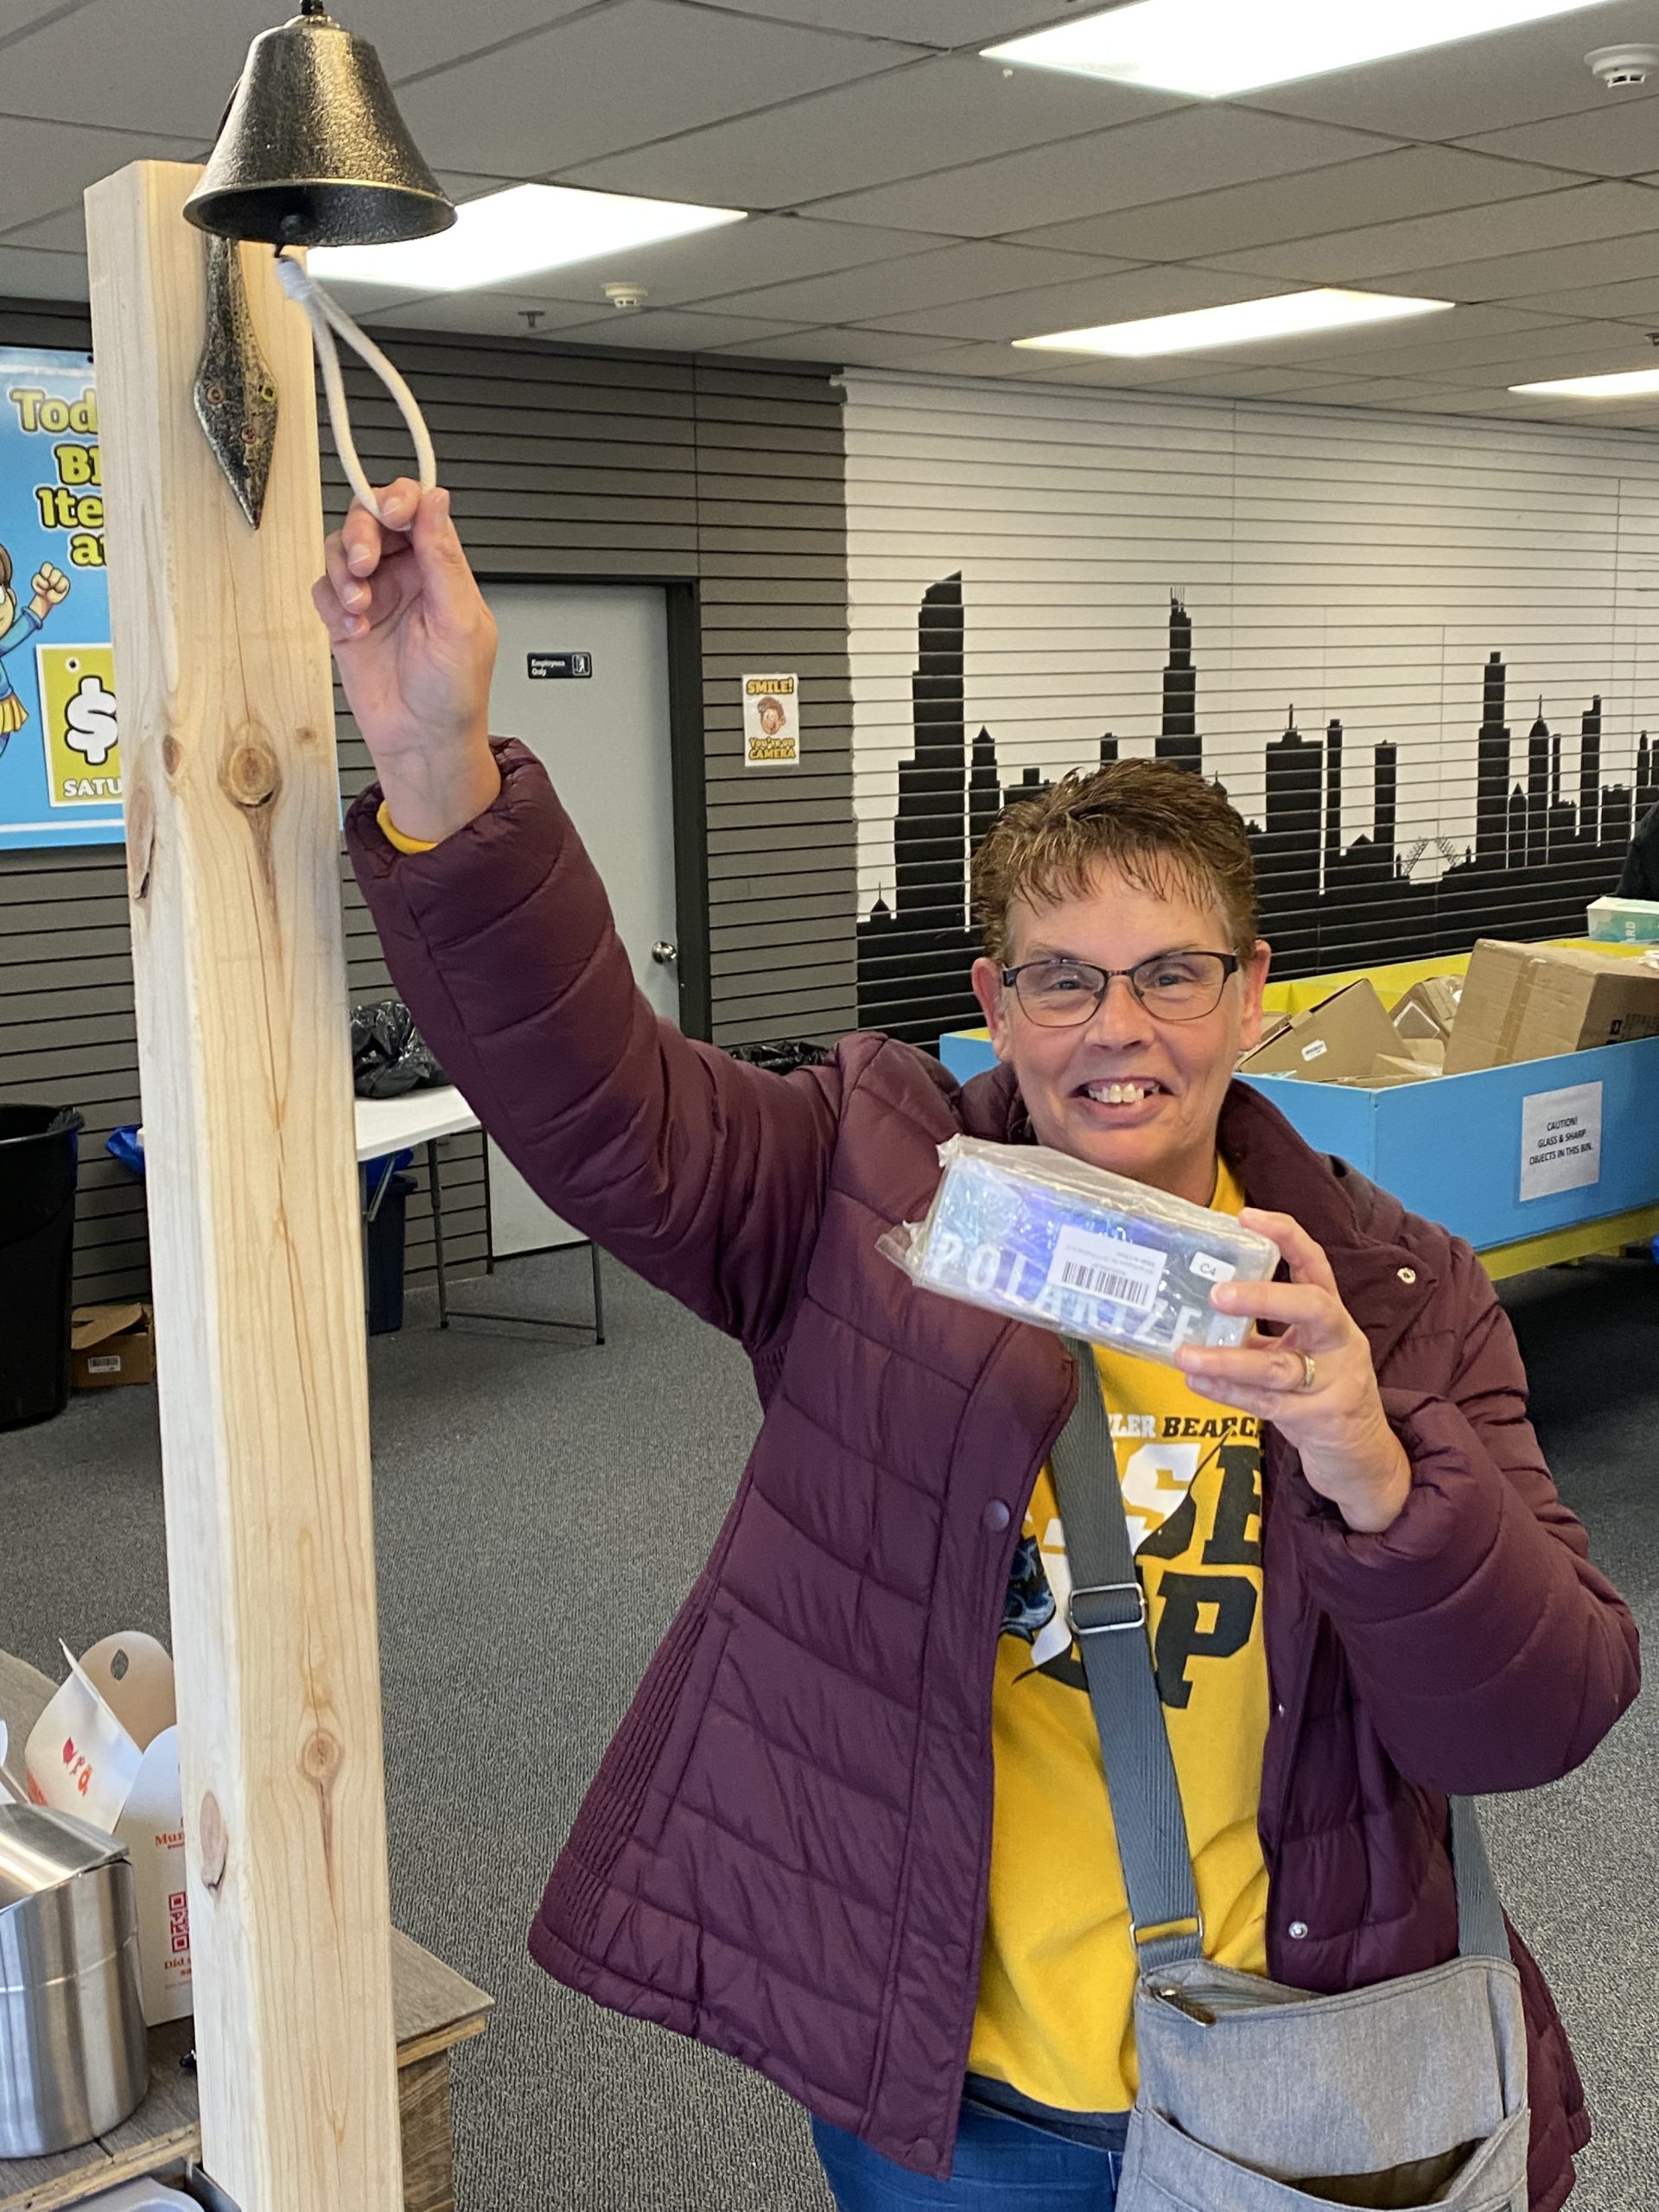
x=542, y=1506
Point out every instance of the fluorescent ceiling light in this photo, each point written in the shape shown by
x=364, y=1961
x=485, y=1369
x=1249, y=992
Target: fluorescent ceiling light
x=1287, y=314
x=1211, y=47
x=519, y=233
x=1631, y=383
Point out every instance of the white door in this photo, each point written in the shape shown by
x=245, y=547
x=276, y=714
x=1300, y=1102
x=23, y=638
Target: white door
x=603, y=736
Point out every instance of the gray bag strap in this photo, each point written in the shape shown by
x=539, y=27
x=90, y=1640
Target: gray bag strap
x=1107, y=1613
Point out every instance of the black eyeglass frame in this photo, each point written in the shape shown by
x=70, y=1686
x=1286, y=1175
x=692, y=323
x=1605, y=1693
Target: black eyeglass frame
x=1231, y=966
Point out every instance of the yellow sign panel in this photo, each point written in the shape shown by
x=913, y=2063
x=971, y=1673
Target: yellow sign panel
x=79, y=728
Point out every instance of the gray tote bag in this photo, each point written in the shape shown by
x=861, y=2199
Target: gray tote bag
x=1255, y=2097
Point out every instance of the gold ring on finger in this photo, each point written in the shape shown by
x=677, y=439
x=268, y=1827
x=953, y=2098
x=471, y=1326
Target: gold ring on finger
x=1310, y=1372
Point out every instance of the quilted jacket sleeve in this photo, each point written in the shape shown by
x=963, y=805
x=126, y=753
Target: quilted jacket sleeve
x=1490, y=1655
x=704, y=1175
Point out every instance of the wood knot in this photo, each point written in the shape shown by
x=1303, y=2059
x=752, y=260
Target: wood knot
x=171, y=754
x=251, y=775
x=322, y=1758
x=212, y=1843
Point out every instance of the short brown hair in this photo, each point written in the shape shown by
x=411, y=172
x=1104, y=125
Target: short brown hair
x=1164, y=829
x=5, y=567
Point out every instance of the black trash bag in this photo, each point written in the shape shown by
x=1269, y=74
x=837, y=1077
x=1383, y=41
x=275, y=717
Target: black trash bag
x=390, y=1058
x=782, y=1055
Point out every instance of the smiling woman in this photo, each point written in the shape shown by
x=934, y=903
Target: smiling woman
x=1139, y=877
x=852, y=1830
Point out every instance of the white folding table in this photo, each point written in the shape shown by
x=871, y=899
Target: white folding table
x=386, y=1127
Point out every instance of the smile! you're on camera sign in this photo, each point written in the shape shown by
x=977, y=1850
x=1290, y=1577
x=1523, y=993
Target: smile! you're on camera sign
x=60, y=748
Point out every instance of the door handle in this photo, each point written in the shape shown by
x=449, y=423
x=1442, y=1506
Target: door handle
x=664, y=953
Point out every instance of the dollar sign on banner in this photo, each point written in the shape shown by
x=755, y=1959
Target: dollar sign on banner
x=90, y=726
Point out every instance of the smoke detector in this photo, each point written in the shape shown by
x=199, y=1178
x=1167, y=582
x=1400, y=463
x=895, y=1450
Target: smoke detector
x=1619, y=66
x=626, y=298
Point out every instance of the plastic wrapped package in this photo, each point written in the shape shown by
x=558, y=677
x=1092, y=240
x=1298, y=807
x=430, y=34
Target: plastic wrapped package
x=1040, y=1236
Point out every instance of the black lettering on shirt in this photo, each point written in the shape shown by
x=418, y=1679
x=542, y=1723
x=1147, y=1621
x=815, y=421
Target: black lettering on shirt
x=1181, y=1638
x=1239, y=1503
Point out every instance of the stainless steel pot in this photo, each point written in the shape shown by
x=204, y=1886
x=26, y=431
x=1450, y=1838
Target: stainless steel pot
x=74, y=2055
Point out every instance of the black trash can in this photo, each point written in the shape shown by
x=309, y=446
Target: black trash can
x=39, y=1159
x=388, y=1234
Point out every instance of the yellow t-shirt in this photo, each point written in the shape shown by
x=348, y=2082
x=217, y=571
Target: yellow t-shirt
x=1058, y=1980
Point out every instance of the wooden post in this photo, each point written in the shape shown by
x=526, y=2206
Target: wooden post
x=232, y=841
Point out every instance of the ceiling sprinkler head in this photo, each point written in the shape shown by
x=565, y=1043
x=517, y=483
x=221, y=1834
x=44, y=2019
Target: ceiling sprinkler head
x=627, y=297
x=1620, y=66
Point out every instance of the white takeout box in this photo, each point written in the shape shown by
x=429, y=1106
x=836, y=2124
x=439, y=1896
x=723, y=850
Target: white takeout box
x=107, y=1748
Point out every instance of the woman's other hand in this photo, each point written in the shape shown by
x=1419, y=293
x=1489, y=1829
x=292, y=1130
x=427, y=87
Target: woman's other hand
x=1314, y=1380
x=415, y=645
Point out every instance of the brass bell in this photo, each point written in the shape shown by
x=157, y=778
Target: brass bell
x=313, y=151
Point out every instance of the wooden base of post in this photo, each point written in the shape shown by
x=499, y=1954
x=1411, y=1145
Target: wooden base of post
x=232, y=828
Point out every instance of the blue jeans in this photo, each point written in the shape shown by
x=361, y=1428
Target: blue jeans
x=1000, y=2161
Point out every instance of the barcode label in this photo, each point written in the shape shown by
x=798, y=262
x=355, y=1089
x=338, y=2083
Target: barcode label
x=1108, y=1268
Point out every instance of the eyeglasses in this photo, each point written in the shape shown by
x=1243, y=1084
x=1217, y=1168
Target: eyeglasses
x=1171, y=985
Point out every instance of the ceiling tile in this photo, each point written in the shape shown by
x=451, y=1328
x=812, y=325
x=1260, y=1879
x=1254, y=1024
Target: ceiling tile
x=44, y=168
x=1429, y=399
x=1236, y=382
x=15, y=14
x=681, y=328
x=1475, y=85
x=171, y=65
x=1525, y=276
x=1618, y=138
x=579, y=90
x=1591, y=354
x=65, y=230
x=467, y=184
x=1196, y=150
x=873, y=349
x=1077, y=304
x=1568, y=216
x=1636, y=301
x=501, y=314
x=740, y=257
x=944, y=277
x=26, y=276
x=1424, y=353
x=62, y=232
x=941, y=23
x=1375, y=392
x=1381, y=189
x=413, y=38
x=911, y=120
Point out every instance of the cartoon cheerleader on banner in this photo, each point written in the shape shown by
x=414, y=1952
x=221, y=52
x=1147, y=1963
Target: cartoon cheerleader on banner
x=51, y=588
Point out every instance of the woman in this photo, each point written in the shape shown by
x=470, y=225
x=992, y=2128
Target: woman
x=1362, y=1591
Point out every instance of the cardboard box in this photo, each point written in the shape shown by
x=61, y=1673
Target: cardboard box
x=1531, y=1002
x=107, y=1748
x=113, y=1344
x=1392, y=1068
x=1337, y=1039
x=1428, y=1009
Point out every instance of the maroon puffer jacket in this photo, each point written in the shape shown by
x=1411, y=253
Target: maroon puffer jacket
x=784, y=1852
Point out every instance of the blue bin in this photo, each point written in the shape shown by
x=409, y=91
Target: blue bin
x=1450, y=1149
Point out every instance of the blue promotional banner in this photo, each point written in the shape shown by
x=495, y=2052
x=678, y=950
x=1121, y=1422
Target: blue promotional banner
x=60, y=747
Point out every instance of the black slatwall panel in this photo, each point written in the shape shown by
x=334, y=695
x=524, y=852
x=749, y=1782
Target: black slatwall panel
x=563, y=464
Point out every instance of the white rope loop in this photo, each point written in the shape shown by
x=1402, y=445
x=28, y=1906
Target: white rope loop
x=325, y=315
